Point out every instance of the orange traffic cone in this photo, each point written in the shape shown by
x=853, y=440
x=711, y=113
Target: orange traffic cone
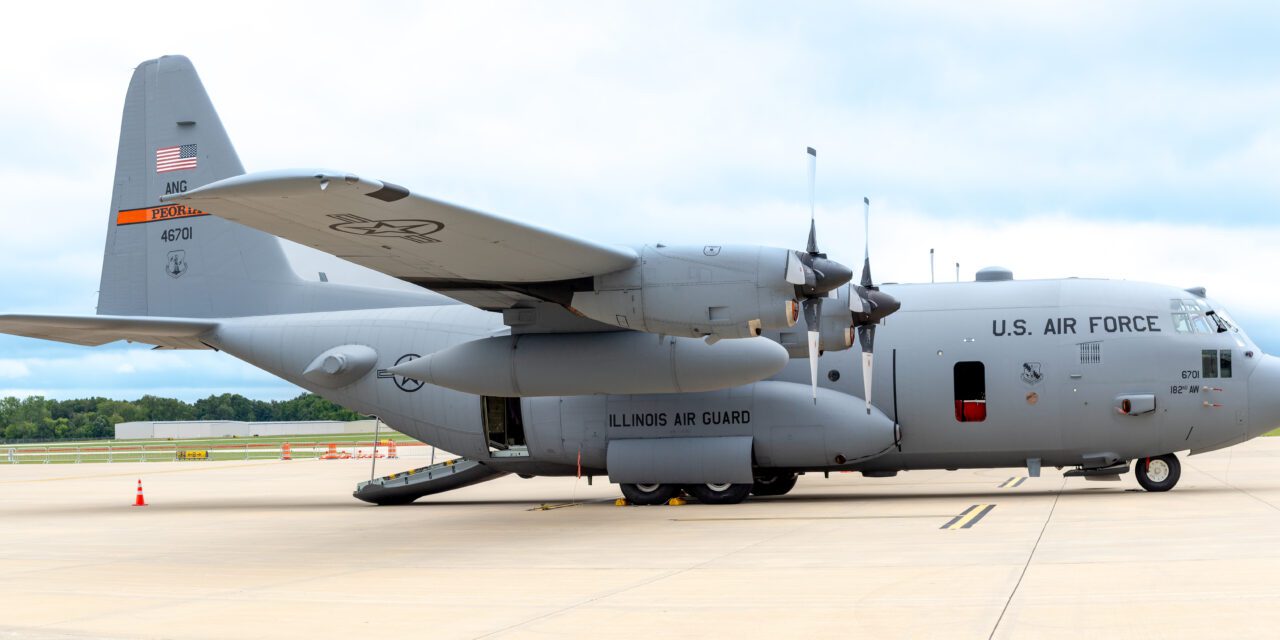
x=286, y=452
x=139, y=501
x=391, y=449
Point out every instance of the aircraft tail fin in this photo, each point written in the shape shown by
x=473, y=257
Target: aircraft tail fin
x=177, y=261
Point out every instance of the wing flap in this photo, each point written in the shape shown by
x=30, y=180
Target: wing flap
x=387, y=228
x=91, y=331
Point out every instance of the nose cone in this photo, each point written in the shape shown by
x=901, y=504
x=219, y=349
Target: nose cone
x=1264, y=397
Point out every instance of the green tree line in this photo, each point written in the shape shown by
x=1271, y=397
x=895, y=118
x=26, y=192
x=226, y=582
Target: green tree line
x=37, y=418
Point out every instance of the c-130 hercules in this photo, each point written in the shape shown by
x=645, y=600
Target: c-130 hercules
x=666, y=368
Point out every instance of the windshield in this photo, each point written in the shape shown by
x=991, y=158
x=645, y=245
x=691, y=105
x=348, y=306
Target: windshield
x=1199, y=316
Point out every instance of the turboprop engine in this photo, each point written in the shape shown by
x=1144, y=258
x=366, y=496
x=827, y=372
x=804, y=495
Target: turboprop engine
x=718, y=291
x=614, y=362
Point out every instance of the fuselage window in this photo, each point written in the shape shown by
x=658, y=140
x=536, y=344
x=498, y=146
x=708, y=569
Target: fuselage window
x=971, y=391
x=1215, y=363
x=1209, y=362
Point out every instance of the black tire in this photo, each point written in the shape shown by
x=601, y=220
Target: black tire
x=649, y=494
x=1159, y=473
x=719, y=493
x=775, y=485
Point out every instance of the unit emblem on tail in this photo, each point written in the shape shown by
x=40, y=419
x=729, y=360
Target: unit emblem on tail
x=177, y=264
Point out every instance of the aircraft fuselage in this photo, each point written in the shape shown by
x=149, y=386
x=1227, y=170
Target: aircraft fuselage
x=983, y=374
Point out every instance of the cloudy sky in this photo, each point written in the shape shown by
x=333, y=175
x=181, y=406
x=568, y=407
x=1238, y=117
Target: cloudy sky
x=1135, y=140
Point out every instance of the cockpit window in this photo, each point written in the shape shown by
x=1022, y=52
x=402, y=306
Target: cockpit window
x=1199, y=323
x=1182, y=323
x=1195, y=316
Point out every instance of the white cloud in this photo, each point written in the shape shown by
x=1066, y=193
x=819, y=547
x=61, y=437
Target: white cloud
x=1132, y=141
x=10, y=369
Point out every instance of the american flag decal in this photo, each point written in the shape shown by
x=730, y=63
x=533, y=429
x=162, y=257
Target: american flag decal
x=176, y=158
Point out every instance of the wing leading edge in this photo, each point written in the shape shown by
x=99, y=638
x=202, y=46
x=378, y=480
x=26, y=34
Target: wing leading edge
x=387, y=228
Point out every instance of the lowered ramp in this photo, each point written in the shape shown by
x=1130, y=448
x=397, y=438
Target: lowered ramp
x=407, y=486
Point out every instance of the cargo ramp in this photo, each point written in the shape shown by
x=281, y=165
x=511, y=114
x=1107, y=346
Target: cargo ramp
x=407, y=486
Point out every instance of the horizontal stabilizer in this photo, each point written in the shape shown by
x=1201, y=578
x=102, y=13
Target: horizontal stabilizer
x=91, y=331
x=387, y=228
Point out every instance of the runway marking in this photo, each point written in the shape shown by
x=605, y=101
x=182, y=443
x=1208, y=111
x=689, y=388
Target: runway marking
x=969, y=517
x=1013, y=483
x=761, y=518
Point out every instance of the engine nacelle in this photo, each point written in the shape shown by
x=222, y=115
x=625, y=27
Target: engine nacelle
x=721, y=291
x=836, y=333
x=613, y=362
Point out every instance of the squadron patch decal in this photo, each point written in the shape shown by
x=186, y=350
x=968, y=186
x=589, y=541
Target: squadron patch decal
x=176, y=264
x=1031, y=373
x=418, y=231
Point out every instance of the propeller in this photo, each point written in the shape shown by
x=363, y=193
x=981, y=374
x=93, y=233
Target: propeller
x=869, y=307
x=814, y=277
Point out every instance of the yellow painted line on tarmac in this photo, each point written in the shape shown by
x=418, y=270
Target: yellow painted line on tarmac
x=769, y=518
x=969, y=517
x=1013, y=483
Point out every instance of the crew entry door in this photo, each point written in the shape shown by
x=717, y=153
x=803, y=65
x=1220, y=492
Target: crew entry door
x=504, y=427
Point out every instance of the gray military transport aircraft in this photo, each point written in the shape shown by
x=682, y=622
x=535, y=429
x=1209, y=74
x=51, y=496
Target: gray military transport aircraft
x=666, y=368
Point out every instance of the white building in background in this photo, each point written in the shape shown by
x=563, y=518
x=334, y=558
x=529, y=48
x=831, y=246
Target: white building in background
x=184, y=430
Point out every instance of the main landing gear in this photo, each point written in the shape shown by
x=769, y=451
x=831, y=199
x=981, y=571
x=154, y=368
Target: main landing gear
x=711, y=493
x=1158, y=473
x=650, y=494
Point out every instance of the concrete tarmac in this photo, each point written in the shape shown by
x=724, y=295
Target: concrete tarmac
x=280, y=549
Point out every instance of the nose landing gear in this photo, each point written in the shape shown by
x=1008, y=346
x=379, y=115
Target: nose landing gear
x=1158, y=473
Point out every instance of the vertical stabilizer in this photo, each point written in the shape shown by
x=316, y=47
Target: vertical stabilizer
x=160, y=258
x=177, y=261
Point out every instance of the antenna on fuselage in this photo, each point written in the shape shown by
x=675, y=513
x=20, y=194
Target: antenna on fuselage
x=931, y=266
x=957, y=272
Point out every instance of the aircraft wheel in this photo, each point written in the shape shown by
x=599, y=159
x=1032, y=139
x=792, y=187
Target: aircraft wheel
x=649, y=494
x=775, y=485
x=1158, y=473
x=725, y=493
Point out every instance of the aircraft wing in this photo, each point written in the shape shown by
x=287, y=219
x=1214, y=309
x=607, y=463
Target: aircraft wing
x=91, y=331
x=386, y=228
